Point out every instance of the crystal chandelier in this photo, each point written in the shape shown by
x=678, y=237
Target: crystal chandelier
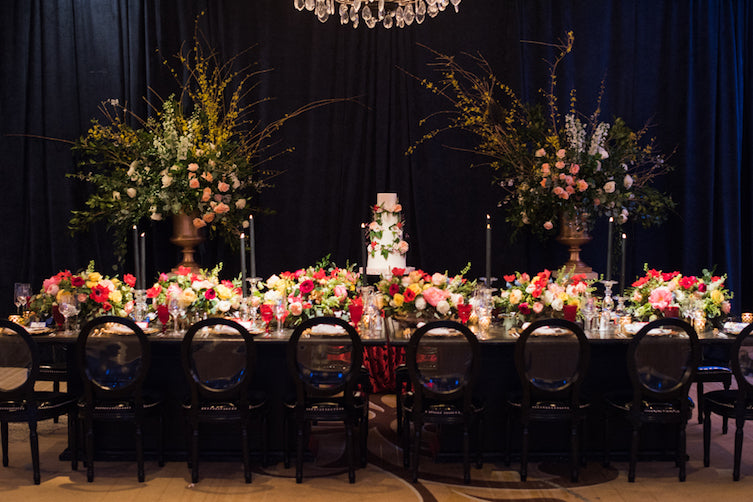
x=385, y=12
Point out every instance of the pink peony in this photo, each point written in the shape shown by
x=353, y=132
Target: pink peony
x=660, y=298
x=434, y=295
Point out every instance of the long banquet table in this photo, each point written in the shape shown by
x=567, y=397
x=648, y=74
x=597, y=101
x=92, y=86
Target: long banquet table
x=607, y=372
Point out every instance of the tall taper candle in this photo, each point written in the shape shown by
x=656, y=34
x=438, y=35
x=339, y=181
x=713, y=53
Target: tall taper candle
x=362, y=242
x=252, y=245
x=136, y=261
x=609, y=249
x=622, y=265
x=142, y=257
x=488, y=251
x=243, y=265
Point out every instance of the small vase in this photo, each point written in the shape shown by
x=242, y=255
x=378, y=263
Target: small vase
x=574, y=234
x=187, y=237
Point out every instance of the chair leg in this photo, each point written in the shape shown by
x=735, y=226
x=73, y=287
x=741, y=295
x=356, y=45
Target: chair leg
x=407, y=443
x=73, y=439
x=681, y=443
x=264, y=445
x=574, y=451
x=194, y=452
x=350, y=450
x=466, y=454
x=508, y=439
x=286, y=441
x=738, y=449
x=34, y=440
x=89, y=438
x=706, y=438
x=725, y=420
x=139, y=451
x=244, y=450
x=161, y=443
x=299, y=451
x=479, y=442
x=699, y=400
x=4, y=440
x=364, y=439
x=416, y=448
x=634, y=443
x=524, y=454
x=605, y=442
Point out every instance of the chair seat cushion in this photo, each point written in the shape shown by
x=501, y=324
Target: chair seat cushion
x=722, y=402
x=118, y=407
x=226, y=409
x=623, y=401
x=713, y=373
x=49, y=404
x=441, y=410
x=330, y=409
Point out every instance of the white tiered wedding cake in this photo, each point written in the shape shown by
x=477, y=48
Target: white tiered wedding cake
x=386, y=247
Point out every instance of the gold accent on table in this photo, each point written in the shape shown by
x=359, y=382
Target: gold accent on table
x=574, y=235
x=187, y=237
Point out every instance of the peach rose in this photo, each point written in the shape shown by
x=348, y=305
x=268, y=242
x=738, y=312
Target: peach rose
x=540, y=152
x=206, y=195
x=208, y=176
x=561, y=153
x=193, y=167
x=209, y=217
x=221, y=208
x=193, y=183
x=222, y=186
x=574, y=168
x=198, y=223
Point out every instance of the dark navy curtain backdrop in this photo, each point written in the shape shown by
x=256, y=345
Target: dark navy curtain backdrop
x=685, y=66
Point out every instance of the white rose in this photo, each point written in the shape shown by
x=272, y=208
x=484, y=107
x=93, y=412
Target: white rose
x=167, y=181
x=443, y=307
x=223, y=305
x=609, y=187
x=557, y=304
x=132, y=168
x=272, y=281
x=547, y=297
x=272, y=296
x=131, y=192
x=628, y=181
x=456, y=299
x=530, y=288
x=515, y=296
x=438, y=279
x=419, y=303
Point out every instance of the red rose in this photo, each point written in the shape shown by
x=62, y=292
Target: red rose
x=320, y=274
x=209, y=294
x=409, y=295
x=701, y=287
x=509, y=278
x=106, y=307
x=77, y=281
x=688, y=282
x=183, y=270
x=306, y=286
x=128, y=279
x=398, y=272
x=394, y=289
x=154, y=291
x=524, y=308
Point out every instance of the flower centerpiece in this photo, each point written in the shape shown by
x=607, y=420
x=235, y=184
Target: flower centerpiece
x=96, y=294
x=426, y=296
x=196, y=293
x=198, y=155
x=652, y=294
x=542, y=295
x=549, y=165
x=323, y=289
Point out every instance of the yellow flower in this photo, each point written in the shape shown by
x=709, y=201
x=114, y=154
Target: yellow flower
x=93, y=279
x=62, y=295
x=115, y=296
x=717, y=296
x=224, y=292
x=398, y=300
x=415, y=287
x=187, y=297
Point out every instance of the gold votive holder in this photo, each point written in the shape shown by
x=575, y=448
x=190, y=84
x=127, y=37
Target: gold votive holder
x=747, y=317
x=699, y=324
x=624, y=321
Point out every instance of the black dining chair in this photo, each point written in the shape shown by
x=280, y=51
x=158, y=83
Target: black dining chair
x=712, y=370
x=113, y=357
x=551, y=358
x=219, y=357
x=736, y=404
x=662, y=360
x=442, y=358
x=19, y=402
x=325, y=361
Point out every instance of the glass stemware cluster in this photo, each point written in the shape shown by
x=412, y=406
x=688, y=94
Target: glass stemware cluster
x=21, y=295
x=69, y=308
x=482, y=306
x=372, y=315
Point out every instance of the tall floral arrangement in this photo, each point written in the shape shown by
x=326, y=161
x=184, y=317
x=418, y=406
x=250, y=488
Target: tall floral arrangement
x=97, y=294
x=424, y=295
x=651, y=294
x=200, y=154
x=548, y=164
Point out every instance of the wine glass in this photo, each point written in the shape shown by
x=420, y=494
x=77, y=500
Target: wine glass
x=68, y=307
x=21, y=294
x=281, y=312
x=177, y=311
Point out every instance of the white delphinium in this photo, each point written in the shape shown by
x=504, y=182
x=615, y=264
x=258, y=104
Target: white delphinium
x=575, y=132
x=597, y=140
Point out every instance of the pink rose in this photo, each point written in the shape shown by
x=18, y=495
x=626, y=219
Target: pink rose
x=193, y=183
x=341, y=291
x=193, y=166
x=222, y=186
x=538, y=307
x=52, y=289
x=582, y=185
x=574, y=168
x=548, y=225
x=660, y=298
x=561, y=153
x=559, y=164
x=82, y=297
x=434, y=295
x=295, y=308
x=546, y=168
x=540, y=152
x=208, y=218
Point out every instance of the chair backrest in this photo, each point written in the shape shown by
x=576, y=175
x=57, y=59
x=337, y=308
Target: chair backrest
x=113, y=357
x=742, y=363
x=551, y=358
x=218, y=357
x=443, y=362
x=325, y=355
x=19, y=362
x=662, y=360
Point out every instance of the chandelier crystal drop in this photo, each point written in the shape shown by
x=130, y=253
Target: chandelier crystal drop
x=387, y=13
